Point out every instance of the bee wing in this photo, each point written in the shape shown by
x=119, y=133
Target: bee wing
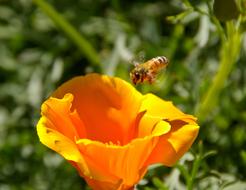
x=141, y=56
x=135, y=63
x=138, y=59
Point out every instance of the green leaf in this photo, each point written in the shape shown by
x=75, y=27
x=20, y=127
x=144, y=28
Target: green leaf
x=159, y=184
x=225, y=10
x=80, y=41
x=210, y=153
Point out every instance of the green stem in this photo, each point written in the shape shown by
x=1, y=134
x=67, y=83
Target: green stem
x=219, y=27
x=194, y=171
x=195, y=167
x=229, y=53
x=84, y=46
x=216, y=21
x=210, y=14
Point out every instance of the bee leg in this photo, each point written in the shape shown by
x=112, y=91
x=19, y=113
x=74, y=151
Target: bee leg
x=151, y=79
x=142, y=79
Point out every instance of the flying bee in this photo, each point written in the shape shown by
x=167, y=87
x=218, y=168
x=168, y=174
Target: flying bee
x=148, y=70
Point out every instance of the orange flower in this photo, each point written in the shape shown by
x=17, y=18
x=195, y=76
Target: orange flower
x=110, y=132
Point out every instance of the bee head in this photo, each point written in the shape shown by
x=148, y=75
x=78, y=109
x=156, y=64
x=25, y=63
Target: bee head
x=135, y=77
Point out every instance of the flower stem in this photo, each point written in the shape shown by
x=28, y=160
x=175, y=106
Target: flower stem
x=197, y=162
x=228, y=56
x=84, y=46
x=194, y=171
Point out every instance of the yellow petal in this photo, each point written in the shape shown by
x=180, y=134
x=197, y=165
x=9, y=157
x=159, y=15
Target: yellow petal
x=151, y=125
x=178, y=136
x=174, y=144
x=70, y=151
x=108, y=106
x=102, y=185
x=110, y=133
x=126, y=162
x=66, y=122
x=164, y=109
x=60, y=143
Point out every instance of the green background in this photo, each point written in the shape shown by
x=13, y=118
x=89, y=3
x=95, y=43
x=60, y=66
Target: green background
x=39, y=51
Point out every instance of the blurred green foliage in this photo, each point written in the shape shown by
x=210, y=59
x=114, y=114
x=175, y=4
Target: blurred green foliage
x=37, y=55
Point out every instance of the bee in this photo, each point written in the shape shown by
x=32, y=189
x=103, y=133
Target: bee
x=148, y=70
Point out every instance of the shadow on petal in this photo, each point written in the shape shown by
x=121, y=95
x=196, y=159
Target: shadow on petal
x=173, y=145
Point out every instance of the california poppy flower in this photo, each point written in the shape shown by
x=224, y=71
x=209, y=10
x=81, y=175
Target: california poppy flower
x=111, y=133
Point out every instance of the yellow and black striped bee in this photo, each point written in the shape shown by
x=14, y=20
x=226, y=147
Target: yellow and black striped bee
x=148, y=70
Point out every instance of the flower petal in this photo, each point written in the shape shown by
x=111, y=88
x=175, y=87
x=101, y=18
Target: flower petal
x=58, y=112
x=110, y=132
x=174, y=144
x=126, y=162
x=178, y=138
x=151, y=125
x=164, y=109
x=103, y=185
x=70, y=151
x=108, y=106
x=60, y=143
